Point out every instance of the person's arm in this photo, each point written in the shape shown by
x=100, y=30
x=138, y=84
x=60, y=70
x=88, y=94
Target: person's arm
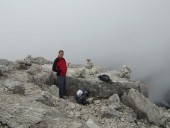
x=55, y=64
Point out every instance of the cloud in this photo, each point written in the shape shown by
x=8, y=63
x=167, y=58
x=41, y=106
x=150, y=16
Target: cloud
x=112, y=33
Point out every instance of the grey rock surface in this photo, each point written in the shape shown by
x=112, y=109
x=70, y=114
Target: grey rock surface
x=29, y=99
x=143, y=107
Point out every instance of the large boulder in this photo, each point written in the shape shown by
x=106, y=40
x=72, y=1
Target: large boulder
x=37, y=60
x=29, y=115
x=28, y=61
x=22, y=64
x=78, y=77
x=15, y=86
x=114, y=102
x=5, y=62
x=98, y=88
x=80, y=73
x=41, y=61
x=18, y=116
x=4, y=70
x=144, y=90
x=143, y=107
x=34, y=69
x=46, y=98
x=44, y=78
x=54, y=90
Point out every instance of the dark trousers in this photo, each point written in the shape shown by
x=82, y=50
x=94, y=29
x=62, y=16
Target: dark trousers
x=62, y=86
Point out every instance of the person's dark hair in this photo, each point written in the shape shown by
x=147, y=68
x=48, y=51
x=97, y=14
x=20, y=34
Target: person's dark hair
x=61, y=51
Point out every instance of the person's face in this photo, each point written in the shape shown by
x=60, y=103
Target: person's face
x=61, y=54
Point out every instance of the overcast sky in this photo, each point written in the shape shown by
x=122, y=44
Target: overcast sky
x=110, y=32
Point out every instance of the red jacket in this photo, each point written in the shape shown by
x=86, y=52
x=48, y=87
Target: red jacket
x=60, y=66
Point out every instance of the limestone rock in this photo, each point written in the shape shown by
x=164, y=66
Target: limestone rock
x=143, y=107
x=91, y=124
x=29, y=115
x=97, y=101
x=34, y=69
x=46, y=98
x=142, y=125
x=144, y=90
x=5, y=62
x=128, y=117
x=110, y=113
x=37, y=60
x=89, y=64
x=80, y=73
x=70, y=65
x=44, y=78
x=41, y=61
x=4, y=70
x=28, y=61
x=114, y=102
x=125, y=72
x=98, y=88
x=90, y=68
x=22, y=65
x=90, y=100
x=54, y=90
x=92, y=71
x=41, y=107
x=41, y=124
x=15, y=86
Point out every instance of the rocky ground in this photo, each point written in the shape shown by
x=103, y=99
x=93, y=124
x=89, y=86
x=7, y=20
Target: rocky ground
x=29, y=98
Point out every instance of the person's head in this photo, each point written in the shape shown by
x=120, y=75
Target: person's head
x=61, y=53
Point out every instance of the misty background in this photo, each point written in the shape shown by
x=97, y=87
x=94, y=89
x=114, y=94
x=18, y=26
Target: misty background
x=110, y=32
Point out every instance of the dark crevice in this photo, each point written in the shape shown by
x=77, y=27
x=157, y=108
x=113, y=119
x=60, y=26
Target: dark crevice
x=41, y=124
x=2, y=125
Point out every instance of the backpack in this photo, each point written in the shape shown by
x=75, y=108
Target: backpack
x=81, y=96
x=105, y=78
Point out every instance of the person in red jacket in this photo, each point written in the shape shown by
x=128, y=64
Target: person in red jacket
x=60, y=67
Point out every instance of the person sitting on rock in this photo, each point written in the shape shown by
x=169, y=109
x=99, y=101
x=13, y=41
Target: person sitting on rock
x=82, y=96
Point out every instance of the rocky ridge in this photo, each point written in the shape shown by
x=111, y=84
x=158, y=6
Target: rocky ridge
x=29, y=98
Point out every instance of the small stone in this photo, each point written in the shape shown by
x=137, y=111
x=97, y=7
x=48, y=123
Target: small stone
x=110, y=113
x=90, y=100
x=72, y=106
x=85, y=117
x=91, y=124
x=54, y=90
x=122, y=120
x=97, y=101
